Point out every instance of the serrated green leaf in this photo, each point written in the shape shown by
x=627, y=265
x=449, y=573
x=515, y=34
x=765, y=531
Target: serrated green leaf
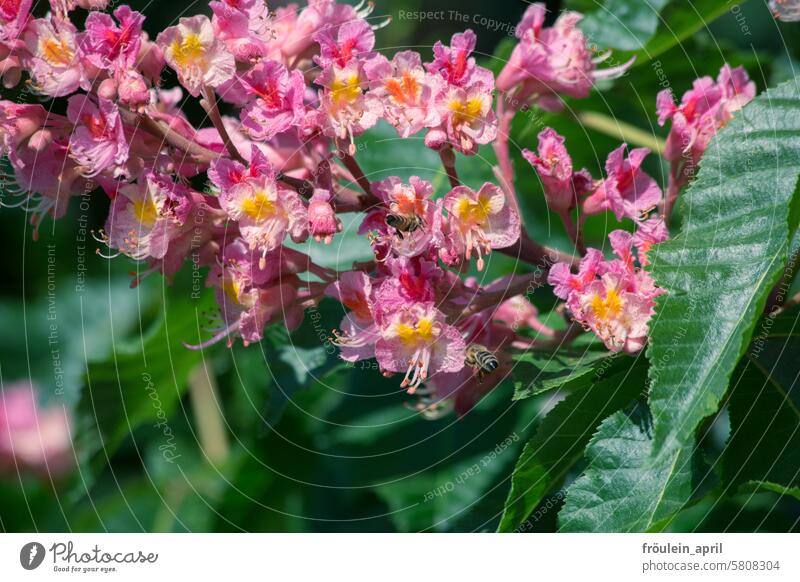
x=537, y=372
x=561, y=438
x=739, y=218
x=625, y=489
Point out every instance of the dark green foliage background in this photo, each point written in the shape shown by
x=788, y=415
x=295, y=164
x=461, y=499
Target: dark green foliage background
x=315, y=446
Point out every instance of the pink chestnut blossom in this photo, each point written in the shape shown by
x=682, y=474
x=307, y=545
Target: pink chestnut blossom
x=322, y=220
x=199, y=58
x=481, y=221
x=266, y=211
x=318, y=15
x=61, y=7
x=14, y=15
x=704, y=109
x=551, y=62
x=518, y=312
x=33, y=438
x=562, y=187
x=244, y=26
x=150, y=60
x=408, y=280
x=564, y=282
x=345, y=110
x=253, y=293
x=10, y=65
x=107, y=45
x=47, y=176
x=356, y=340
x=455, y=65
x=98, y=142
x=468, y=119
x=649, y=232
x=418, y=341
x=132, y=90
x=53, y=58
x=406, y=90
x=146, y=216
x=37, y=143
x=352, y=41
x=627, y=190
x=225, y=173
x=277, y=100
x=615, y=299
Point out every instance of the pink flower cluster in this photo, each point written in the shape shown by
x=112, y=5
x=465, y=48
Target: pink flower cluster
x=704, y=109
x=299, y=85
x=614, y=299
x=551, y=62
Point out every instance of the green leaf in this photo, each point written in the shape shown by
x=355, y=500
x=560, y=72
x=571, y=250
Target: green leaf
x=141, y=381
x=537, y=372
x=775, y=488
x=561, y=438
x=678, y=21
x=382, y=153
x=625, y=489
x=623, y=24
x=345, y=248
x=764, y=408
x=740, y=215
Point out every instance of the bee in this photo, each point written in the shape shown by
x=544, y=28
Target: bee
x=484, y=361
x=404, y=224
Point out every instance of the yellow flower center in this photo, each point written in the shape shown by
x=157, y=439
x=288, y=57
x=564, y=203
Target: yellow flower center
x=414, y=335
x=189, y=51
x=473, y=211
x=232, y=289
x=466, y=111
x=608, y=308
x=345, y=91
x=56, y=51
x=145, y=211
x=258, y=207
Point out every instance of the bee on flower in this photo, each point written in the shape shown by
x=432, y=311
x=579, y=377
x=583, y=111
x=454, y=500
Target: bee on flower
x=480, y=221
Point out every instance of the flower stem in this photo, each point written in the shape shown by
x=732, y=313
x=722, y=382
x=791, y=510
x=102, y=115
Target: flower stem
x=209, y=103
x=574, y=233
x=352, y=166
x=161, y=130
x=448, y=158
x=538, y=255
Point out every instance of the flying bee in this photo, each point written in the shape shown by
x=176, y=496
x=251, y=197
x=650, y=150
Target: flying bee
x=402, y=223
x=484, y=361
